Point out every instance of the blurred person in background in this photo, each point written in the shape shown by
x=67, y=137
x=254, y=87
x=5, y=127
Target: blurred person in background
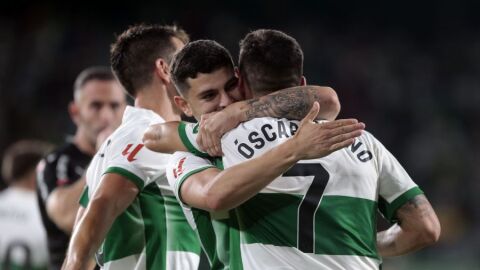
x=23, y=242
x=97, y=108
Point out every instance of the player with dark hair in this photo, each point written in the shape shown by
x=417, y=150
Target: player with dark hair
x=202, y=71
x=23, y=241
x=126, y=203
x=97, y=106
x=321, y=212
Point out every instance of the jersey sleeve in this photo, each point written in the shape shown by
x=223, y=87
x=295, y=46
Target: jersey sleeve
x=395, y=185
x=188, y=134
x=181, y=166
x=137, y=163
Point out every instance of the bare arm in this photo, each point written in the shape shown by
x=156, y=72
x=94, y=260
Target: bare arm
x=62, y=205
x=417, y=228
x=98, y=217
x=163, y=138
x=291, y=103
x=216, y=190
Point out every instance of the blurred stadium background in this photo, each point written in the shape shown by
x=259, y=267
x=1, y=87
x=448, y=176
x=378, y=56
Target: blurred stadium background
x=409, y=69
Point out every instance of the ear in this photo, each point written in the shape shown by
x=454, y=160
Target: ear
x=162, y=70
x=74, y=112
x=303, y=81
x=182, y=104
x=242, y=84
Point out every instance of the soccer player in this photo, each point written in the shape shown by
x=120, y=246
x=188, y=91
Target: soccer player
x=97, y=107
x=126, y=202
x=200, y=70
x=23, y=241
x=321, y=213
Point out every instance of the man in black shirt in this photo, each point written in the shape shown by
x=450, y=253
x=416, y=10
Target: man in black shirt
x=96, y=110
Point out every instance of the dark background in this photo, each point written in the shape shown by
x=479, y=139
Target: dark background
x=409, y=69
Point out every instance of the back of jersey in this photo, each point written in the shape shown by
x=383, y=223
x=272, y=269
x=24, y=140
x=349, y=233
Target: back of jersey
x=23, y=242
x=320, y=214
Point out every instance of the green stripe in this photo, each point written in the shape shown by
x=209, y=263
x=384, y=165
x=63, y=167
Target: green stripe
x=181, y=237
x=154, y=217
x=206, y=235
x=343, y=225
x=83, y=201
x=186, y=176
x=126, y=236
x=389, y=209
x=127, y=174
x=235, y=261
x=346, y=226
x=186, y=141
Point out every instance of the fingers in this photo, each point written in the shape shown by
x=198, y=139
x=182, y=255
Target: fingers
x=345, y=136
x=339, y=123
x=312, y=114
x=342, y=144
x=346, y=129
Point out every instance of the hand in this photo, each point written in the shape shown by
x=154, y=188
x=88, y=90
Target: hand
x=314, y=140
x=212, y=127
x=152, y=137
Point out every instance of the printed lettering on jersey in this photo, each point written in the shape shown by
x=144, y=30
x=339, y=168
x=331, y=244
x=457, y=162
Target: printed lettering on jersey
x=133, y=153
x=178, y=171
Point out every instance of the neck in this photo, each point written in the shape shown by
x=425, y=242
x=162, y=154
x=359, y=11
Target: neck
x=81, y=141
x=155, y=97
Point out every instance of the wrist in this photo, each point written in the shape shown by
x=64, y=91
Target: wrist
x=241, y=111
x=291, y=150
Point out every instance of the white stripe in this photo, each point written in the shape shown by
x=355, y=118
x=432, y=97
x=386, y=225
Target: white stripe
x=132, y=262
x=182, y=260
x=266, y=257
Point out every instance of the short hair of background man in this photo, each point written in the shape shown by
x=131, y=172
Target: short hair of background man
x=89, y=74
x=133, y=54
x=21, y=158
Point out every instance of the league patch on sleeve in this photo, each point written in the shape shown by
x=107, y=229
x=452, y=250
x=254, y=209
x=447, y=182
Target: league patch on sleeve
x=131, y=154
x=178, y=171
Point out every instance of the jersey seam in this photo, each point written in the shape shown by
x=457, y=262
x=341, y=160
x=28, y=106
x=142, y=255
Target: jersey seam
x=183, y=178
x=186, y=141
x=135, y=179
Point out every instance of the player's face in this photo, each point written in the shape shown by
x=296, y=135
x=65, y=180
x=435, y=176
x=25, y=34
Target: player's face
x=211, y=92
x=100, y=106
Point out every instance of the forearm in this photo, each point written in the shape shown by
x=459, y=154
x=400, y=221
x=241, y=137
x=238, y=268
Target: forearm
x=89, y=234
x=292, y=103
x=396, y=242
x=62, y=205
x=237, y=184
x=417, y=228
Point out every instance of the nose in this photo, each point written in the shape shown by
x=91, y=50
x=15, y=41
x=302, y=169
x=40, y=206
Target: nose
x=107, y=115
x=225, y=100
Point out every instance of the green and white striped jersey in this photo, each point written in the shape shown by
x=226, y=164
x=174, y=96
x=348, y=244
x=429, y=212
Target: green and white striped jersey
x=152, y=233
x=320, y=214
x=217, y=231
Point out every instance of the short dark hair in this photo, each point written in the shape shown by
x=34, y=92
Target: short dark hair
x=89, y=74
x=135, y=51
x=200, y=56
x=21, y=158
x=270, y=60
